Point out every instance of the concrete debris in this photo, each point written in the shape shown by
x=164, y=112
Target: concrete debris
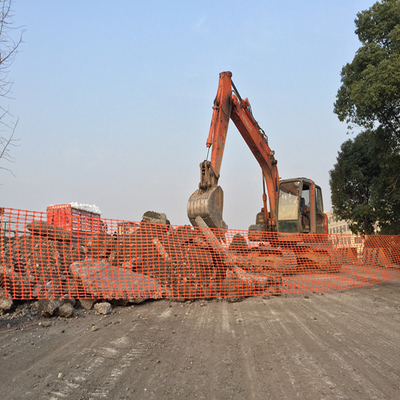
x=87, y=304
x=153, y=261
x=234, y=300
x=214, y=243
x=6, y=301
x=49, y=307
x=256, y=281
x=42, y=228
x=100, y=245
x=153, y=217
x=104, y=308
x=37, y=266
x=56, y=307
x=66, y=310
x=113, y=282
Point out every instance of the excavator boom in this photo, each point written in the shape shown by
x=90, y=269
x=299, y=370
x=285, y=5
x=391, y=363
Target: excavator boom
x=207, y=201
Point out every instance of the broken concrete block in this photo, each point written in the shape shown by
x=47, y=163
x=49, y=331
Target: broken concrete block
x=6, y=304
x=100, y=245
x=43, y=228
x=153, y=217
x=104, y=308
x=87, y=304
x=18, y=284
x=103, y=280
x=72, y=301
x=6, y=301
x=213, y=242
x=66, y=310
x=49, y=307
x=255, y=281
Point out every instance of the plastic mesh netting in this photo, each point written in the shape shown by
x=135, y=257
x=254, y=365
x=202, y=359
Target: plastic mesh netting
x=81, y=257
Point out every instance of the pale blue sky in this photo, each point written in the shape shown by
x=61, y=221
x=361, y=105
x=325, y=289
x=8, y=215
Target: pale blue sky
x=114, y=99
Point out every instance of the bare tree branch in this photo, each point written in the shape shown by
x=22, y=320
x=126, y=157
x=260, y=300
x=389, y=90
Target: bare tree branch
x=5, y=144
x=8, y=50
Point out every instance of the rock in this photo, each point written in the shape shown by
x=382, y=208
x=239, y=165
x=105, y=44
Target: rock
x=100, y=245
x=132, y=264
x=155, y=218
x=121, y=302
x=43, y=228
x=71, y=301
x=20, y=284
x=53, y=307
x=256, y=281
x=137, y=301
x=6, y=301
x=39, y=291
x=47, y=290
x=104, y=308
x=66, y=310
x=234, y=299
x=238, y=244
x=49, y=307
x=87, y=304
x=6, y=304
x=103, y=280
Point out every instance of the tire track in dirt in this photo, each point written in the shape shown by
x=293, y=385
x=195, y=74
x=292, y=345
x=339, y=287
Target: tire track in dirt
x=298, y=362
x=350, y=332
x=55, y=355
x=339, y=358
x=340, y=345
x=370, y=337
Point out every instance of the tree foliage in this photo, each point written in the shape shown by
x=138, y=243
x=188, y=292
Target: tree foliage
x=386, y=197
x=370, y=92
x=364, y=183
x=369, y=96
x=352, y=182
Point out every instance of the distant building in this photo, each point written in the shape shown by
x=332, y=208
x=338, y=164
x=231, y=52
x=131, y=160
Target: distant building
x=336, y=226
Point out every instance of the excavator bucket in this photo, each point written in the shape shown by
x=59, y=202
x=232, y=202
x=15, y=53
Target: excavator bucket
x=208, y=205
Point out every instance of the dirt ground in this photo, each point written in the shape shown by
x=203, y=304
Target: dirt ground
x=334, y=345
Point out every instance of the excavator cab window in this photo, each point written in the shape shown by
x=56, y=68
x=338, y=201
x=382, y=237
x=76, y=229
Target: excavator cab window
x=305, y=209
x=320, y=216
x=288, y=206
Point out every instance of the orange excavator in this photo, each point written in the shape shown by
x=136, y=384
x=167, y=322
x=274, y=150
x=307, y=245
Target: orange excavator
x=295, y=205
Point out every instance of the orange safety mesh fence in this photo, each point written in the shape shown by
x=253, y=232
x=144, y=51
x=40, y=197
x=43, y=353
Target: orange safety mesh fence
x=83, y=257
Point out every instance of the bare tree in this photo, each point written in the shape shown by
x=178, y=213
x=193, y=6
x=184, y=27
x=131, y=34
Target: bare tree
x=8, y=51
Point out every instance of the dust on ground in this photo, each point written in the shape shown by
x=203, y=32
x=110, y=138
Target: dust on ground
x=333, y=345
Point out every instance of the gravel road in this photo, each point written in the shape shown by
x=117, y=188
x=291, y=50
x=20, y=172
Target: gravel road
x=334, y=345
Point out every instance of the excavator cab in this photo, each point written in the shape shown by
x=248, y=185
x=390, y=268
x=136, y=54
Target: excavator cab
x=300, y=208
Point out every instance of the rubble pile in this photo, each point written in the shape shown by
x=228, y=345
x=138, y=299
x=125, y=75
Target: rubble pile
x=155, y=261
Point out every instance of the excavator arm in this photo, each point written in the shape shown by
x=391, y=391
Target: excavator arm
x=207, y=201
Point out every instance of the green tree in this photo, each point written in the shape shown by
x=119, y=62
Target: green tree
x=369, y=96
x=386, y=196
x=353, y=180
x=370, y=92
